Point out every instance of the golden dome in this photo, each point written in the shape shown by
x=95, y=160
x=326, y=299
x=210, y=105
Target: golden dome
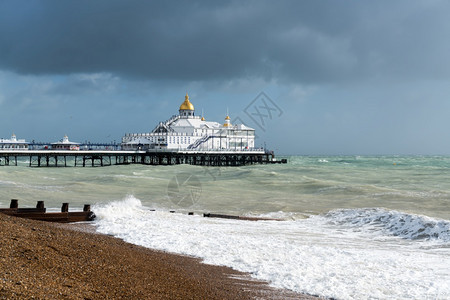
x=227, y=118
x=186, y=105
x=203, y=119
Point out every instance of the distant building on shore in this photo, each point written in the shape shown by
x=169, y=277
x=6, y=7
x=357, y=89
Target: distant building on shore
x=13, y=143
x=65, y=144
x=186, y=131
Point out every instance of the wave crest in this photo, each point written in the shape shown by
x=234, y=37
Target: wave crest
x=129, y=207
x=390, y=222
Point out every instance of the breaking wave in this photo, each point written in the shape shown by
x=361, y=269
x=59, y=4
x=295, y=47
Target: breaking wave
x=390, y=222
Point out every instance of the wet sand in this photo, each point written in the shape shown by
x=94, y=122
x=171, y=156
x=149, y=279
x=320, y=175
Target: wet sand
x=40, y=260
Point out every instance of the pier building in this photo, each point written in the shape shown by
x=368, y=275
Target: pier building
x=186, y=131
x=65, y=144
x=13, y=143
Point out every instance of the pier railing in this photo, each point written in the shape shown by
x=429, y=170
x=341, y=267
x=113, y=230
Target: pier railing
x=83, y=146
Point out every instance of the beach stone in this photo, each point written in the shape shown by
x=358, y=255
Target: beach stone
x=53, y=261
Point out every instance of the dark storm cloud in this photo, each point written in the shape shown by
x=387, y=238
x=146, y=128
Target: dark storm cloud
x=306, y=41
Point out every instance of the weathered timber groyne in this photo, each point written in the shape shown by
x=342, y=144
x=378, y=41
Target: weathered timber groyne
x=40, y=213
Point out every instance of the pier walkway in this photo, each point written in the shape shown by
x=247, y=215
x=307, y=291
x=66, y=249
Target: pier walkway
x=97, y=158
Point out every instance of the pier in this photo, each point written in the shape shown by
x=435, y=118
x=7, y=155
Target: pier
x=182, y=139
x=101, y=158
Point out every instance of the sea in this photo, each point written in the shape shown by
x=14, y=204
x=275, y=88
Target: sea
x=346, y=227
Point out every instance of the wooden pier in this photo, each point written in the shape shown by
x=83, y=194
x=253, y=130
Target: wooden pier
x=40, y=213
x=100, y=158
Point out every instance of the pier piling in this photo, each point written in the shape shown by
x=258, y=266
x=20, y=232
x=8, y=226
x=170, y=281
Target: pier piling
x=100, y=158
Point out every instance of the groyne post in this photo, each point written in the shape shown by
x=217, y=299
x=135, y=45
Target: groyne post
x=40, y=205
x=14, y=203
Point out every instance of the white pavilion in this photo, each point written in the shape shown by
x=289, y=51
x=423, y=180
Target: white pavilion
x=13, y=143
x=65, y=144
x=188, y=132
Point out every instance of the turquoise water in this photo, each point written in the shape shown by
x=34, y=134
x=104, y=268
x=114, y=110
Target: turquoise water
x=306, y=185
x=356, y=227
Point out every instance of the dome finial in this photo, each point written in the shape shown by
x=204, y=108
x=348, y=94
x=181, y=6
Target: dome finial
x=203, y=119
x=186, y=105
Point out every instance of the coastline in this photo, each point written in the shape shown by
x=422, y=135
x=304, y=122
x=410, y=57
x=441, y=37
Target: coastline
x=72, y=261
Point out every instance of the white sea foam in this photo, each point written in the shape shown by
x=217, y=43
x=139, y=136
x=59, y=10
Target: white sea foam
x=321, y=255
x=381, y=221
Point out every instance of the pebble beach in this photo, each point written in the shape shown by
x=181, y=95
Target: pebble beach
x=40, y=260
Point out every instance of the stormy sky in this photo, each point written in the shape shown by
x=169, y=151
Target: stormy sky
x=312, y=77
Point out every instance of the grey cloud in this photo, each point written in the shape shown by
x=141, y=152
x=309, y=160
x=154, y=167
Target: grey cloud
x=306, y=41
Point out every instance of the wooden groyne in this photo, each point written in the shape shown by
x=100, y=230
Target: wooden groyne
x=209, y=215
x=232, y=217
x=40, y=213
